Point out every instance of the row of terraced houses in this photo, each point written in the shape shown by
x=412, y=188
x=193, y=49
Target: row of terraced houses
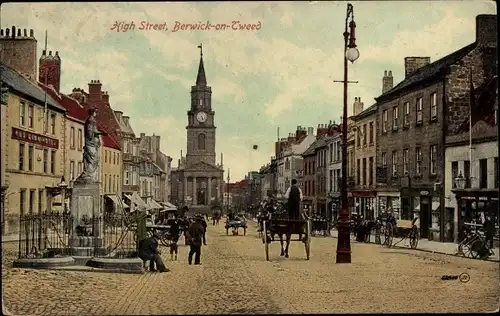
x=42, y=139
x=426, y=148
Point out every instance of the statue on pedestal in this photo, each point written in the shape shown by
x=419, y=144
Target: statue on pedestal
x=91, y=150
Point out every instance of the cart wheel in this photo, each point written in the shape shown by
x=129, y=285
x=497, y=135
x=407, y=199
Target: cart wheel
x=264, y=238
x=307, y=243
x=475, y=249
x=414, y=236
x=165, y=241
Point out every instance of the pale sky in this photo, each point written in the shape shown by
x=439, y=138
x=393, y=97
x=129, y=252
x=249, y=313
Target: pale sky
x=278, y=76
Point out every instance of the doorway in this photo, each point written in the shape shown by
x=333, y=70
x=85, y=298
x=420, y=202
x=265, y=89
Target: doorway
x=425, y=210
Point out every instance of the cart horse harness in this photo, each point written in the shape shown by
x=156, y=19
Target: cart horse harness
x=278, y=223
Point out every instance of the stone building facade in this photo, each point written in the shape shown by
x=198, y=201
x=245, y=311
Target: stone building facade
x=198, y=178
x=334, y=173
x=413, y=120
x=32, y=148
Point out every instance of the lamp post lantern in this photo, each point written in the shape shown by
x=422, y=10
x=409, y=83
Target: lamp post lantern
x=351, y=53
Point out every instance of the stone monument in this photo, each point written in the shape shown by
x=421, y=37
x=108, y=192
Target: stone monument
x=85, y=198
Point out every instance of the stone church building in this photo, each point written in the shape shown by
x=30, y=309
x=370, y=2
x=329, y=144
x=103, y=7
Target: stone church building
x=198, y=180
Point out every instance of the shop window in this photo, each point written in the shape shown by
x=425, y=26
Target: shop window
x=483, y=173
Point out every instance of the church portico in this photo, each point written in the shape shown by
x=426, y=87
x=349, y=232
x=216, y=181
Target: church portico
x=201, y=190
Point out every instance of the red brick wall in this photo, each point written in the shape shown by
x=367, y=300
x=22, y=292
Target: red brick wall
x=50, y=65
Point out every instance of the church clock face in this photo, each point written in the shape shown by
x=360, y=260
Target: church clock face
x=201, y=117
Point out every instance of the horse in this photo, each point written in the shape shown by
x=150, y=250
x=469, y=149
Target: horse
x=284, y=228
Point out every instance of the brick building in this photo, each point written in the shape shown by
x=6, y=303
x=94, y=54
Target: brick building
x=363, y=191
x=413, y=119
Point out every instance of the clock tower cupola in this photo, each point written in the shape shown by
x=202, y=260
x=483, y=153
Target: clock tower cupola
x=201, y=124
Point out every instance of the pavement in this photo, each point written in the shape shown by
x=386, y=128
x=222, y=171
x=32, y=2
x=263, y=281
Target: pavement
x=446, y=248
x=235, y=278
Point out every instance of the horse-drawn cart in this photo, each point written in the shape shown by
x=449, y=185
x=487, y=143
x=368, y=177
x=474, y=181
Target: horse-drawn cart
x=236, y=223
x=284, y=226
x=406, y=230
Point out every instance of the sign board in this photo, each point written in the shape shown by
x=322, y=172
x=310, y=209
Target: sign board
x=33, y=138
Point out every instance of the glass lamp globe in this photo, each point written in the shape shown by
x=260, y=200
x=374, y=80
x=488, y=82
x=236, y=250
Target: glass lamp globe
x=352, y=54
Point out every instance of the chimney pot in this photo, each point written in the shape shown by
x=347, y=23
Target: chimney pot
x=44, y=52
x=50, y=53
x=57, y=53
x=32, y=34
x=390, y=73
x=1, y=32
x=19, y=33
x=7, y=32
x=385, y=73
x=25, y=33
x=13, y=31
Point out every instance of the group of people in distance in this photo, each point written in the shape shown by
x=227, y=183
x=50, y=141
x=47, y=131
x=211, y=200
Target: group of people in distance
x=195, y=237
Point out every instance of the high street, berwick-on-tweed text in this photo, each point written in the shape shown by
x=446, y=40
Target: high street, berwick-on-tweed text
x=176, y=26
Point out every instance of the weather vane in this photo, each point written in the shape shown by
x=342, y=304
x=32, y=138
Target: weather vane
x=201, y=49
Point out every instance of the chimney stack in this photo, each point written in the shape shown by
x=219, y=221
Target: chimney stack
x=25, y=33
x=387, y=81
x=486, y=30
x=13, y=31
x=412, y=64
x=95, y=91
x=357, y=106
x=32, y=34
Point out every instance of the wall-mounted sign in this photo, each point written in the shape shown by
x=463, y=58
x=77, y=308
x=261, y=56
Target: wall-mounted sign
x=33, y=138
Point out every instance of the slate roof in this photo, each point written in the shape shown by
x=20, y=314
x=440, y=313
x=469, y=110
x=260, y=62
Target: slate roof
x=19, y=83
x=364, y=113
x=77, y=111
x=312, y=149
x=429, y=71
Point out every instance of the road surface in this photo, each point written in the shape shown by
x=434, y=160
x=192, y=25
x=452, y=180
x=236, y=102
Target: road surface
x=235, y=279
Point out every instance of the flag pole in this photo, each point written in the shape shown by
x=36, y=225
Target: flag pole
x=45, y=118
x=472, y=100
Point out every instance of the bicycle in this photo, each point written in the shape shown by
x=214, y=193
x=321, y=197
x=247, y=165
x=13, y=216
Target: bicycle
x=474, y=246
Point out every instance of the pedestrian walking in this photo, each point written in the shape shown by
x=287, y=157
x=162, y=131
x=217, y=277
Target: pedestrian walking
x=204, y=225
x=194, y=235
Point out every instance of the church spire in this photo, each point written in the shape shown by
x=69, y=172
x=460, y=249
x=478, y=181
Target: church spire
x=201, y=79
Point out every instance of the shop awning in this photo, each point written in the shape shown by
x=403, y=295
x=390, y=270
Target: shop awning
x=117, y=201
x=136, y=199
x=154, y=205
x=169, y=206
x=435, y=206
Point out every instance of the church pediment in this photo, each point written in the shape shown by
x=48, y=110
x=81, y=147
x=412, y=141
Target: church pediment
x=203, y=166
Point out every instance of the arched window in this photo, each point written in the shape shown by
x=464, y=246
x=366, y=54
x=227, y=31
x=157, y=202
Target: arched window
x=201, y=141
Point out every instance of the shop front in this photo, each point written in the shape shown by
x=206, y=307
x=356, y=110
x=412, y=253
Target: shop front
x=389, y=202
x=365, y=204
x=474, y=205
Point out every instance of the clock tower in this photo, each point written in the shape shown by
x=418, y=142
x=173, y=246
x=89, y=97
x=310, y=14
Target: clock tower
x=198, y=180
x=201, y=124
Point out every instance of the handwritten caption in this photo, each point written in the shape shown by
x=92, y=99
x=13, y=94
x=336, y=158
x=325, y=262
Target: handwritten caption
x=463, y=277
x=178, y=26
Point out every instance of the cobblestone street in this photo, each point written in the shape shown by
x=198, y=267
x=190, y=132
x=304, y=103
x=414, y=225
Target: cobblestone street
x=235, y=278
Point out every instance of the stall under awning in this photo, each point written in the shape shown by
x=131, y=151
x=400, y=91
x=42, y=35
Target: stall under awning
x=154, y=205
x=117, y=201
x=169, y=206
x=435, y=206
x=136, y=199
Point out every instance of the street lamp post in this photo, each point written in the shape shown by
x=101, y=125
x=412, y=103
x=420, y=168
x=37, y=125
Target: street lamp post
x=351, y=53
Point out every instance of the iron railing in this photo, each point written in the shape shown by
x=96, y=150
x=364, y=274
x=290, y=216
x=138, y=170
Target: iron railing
x=44, y=235
x=51, y=234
